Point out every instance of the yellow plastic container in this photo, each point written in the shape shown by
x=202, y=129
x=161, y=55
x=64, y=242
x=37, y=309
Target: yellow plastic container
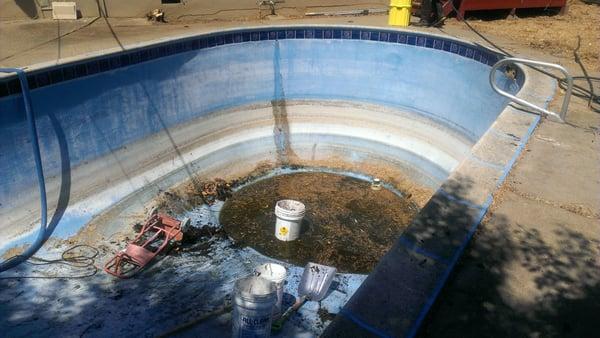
x=399, y=13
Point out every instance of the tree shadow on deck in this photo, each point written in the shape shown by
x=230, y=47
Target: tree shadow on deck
x=553, y=289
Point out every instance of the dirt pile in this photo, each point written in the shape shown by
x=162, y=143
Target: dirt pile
x=554, y=34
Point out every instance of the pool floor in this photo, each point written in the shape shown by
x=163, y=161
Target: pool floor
x=347, y=224
x=192, y=281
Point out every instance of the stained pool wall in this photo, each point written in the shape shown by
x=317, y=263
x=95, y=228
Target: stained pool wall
x=89, y=109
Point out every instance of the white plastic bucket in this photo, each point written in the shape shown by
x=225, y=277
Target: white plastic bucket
x=253, y=301
x=275, y=273
x=289, y=219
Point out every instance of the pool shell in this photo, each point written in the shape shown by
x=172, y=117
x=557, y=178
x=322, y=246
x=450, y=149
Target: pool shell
x=412, y=273
x=187, y=89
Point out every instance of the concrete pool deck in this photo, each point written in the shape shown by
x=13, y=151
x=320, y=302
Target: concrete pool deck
x=536, y=253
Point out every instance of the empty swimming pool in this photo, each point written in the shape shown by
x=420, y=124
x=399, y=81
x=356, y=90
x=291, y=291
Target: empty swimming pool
x=118, y=129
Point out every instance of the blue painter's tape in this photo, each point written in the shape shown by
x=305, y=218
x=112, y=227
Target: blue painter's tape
x=517, y=153
x=442, y=281
x=363, y=324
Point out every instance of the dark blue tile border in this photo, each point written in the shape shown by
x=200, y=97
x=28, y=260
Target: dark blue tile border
x=3, y=89
x=66, y=72
x=14, y=86
x=42, y=79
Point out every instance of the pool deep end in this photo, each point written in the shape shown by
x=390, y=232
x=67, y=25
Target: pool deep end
x=220, y=104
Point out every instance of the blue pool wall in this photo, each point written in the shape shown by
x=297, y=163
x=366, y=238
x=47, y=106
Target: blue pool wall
x=96, y=106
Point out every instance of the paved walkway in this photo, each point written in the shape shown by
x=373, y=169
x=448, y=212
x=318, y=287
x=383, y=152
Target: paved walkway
x=533, y=267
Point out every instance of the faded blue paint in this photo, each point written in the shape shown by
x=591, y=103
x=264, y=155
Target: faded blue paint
x=97, y=114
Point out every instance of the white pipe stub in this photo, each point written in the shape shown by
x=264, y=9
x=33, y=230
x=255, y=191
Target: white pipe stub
x=376, y=184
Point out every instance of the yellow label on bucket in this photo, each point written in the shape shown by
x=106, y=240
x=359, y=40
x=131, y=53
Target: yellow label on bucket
x=283, y=231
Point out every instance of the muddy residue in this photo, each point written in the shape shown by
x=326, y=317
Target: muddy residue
x=387, y=172
x=201, y=190
x=281, y=133
x=15, y=251
x=347, y=224
x=281, y=130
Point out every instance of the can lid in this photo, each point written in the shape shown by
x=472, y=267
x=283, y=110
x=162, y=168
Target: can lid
x=271, y=271
x=291, y=206
x=254, y=287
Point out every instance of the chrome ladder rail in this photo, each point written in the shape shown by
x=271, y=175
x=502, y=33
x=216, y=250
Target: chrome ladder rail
x=569, y=79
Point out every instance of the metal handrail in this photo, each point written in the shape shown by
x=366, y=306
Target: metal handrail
x=563, y=112
x=43, y=231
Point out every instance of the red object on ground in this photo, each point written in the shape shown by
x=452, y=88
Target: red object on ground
x=477, y=5
x=153, y=238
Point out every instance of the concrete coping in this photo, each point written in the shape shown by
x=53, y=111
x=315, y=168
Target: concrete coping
x=181, y=37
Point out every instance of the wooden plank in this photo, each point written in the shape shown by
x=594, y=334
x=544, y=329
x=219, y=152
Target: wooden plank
x=475, y=5
x=472, y=5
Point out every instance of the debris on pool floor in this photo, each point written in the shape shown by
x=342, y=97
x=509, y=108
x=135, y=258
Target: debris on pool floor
x=346, y=224
x=188, y=291
x=183, y=286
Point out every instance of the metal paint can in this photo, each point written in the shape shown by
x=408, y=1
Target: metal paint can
x=253, y=301
x=275, y=273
